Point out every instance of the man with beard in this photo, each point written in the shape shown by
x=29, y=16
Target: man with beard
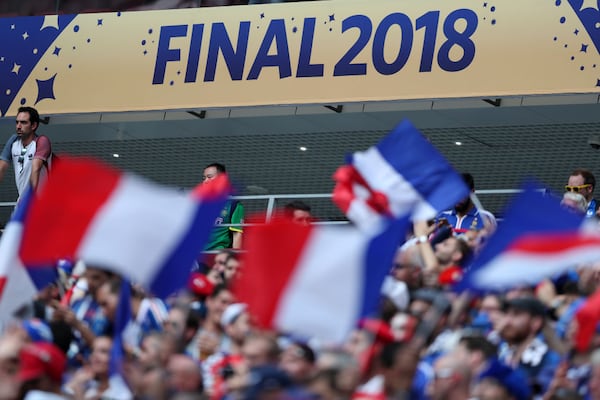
x=524, y=347
x=466, y=216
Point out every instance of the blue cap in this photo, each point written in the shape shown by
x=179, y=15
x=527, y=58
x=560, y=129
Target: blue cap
x=38, y=330
x=514, y=381
x=267, y=378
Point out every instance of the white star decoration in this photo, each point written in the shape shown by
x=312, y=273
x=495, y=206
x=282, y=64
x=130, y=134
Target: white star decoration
x=25, y=36
x=589, y=4
x=16, y=68
x=50, y=21
x=1, y=59
x=12, y=27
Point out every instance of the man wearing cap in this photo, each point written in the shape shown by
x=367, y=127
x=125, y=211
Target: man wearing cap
x=41, y=371
x=524, y=348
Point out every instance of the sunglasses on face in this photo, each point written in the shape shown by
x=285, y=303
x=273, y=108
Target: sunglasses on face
x=576, y=189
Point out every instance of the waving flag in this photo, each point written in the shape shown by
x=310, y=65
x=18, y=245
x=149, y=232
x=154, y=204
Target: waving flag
x=149, y=233
x=117, y=352
x=401, y=175
x=315, y=281
x=587, y=317
x=537, y=239
x=16, y=286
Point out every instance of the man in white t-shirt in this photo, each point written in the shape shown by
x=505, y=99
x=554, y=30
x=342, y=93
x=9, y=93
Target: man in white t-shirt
x=29, y=153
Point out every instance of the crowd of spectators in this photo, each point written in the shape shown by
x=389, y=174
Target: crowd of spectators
x=425, y=342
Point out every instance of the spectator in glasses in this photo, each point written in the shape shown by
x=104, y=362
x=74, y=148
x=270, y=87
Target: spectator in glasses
x=582, y=181
x=451, y=379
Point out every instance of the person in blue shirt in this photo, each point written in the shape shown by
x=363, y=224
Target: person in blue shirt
x=524, y=347
x=465, y=215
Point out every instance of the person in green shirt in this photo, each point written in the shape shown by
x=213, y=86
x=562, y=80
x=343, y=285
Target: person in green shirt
x=225, y=237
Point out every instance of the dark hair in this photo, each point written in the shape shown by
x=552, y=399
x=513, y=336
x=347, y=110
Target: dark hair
x=34, y=116
x=192, y=318
x=468, y=178
x=306, y=352
x=114, y=285
x=289, y=208
x=218, y=166
x=218, y=289
x=232, y=256
x=588, y=177
x=387, y=357
x=479, y=343
x=465, y=250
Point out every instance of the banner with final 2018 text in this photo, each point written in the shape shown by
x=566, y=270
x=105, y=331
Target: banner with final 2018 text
x=299, y=53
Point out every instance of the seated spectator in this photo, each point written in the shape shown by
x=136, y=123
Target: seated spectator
x=524, y=347
x=225, y=237
x=466, y=216
x=298, y=360
x=93, y=381
x=84, y=316
x=452, y=379
x=184, y=375
x=235, y=322
x=298, y=212
x=337, y=375
x=148, y=314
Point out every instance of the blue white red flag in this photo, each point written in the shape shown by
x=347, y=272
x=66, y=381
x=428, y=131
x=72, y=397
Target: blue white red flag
x=122, y=319
x=315, y=281
x=537, y=239
x=148, y=233
x=402, y=175
x=16, y=286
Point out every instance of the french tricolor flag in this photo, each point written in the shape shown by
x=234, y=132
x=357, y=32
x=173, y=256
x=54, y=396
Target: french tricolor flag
x=149, y=233
x=315, y=281
x=537, y=239
x=401, y=175
x=16, y=286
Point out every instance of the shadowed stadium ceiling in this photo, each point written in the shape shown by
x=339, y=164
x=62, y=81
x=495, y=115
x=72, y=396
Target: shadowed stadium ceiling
x=542, y=137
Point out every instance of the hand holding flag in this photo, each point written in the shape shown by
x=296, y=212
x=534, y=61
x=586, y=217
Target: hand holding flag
x=16, y=286
x=537, y=239
x=401, y=175
x=148, y=233
x=314, y=281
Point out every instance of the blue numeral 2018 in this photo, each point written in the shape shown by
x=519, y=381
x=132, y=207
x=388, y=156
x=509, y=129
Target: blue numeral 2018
x=429, y=23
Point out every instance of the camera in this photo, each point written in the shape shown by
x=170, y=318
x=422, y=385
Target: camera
x=594, y=142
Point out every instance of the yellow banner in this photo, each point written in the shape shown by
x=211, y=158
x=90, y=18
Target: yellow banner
x=299, y=53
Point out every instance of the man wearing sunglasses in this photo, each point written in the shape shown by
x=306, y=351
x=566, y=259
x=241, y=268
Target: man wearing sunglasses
x=582, y=181
x=29, y=153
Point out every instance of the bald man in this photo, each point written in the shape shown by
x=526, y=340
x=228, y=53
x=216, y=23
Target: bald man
x=451, y=379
